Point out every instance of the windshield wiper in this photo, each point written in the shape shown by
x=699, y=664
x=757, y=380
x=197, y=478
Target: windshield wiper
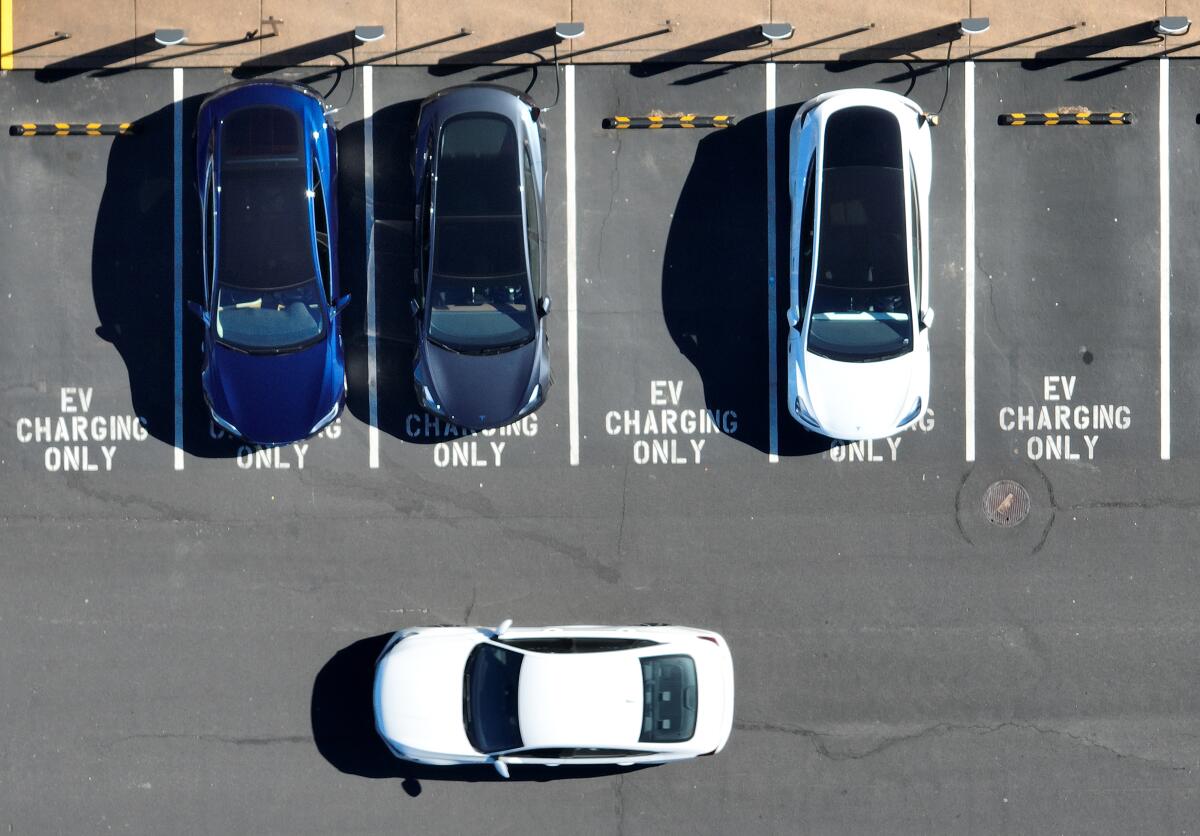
x=442, y=345
x=500, y=349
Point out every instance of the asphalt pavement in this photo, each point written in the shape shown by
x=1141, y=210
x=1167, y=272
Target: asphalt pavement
x=188, y=625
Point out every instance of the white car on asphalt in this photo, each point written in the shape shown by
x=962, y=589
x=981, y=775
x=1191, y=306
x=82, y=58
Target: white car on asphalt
x=554, y=696
x=858, y=343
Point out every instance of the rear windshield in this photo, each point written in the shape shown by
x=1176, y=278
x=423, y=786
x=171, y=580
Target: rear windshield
x=490, y=698
x=669, y=699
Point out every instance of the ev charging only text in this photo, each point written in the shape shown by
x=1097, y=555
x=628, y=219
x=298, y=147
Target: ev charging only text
x=877, y=450
x=1062, y=428
x=664, y=422
x=458, y=447
x=78, y=438
x=253, y=457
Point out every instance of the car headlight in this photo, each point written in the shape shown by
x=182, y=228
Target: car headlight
x=223, y=424
x=915, y=413
x=329, y=416
x=533, y=398
x=430, y=403
x=804, y=413
x=396, y=638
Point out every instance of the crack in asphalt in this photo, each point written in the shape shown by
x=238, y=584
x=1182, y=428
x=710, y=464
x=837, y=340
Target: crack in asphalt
x=819, y=739
x=268, y=740
x=614, y=185
x=619, y=792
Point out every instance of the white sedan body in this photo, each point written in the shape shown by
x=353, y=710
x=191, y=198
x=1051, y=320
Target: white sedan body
x=860, y=168
x=554, y=696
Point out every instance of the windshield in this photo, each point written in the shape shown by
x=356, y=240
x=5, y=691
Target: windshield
x=669, y=708
x=479, y=296
x=270, y=320
x=861, y=303
x=490, y=698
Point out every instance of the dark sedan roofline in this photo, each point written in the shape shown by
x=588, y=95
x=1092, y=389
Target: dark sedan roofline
x=264, y=82
x=465, y=98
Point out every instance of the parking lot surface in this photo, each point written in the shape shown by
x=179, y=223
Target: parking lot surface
x=189, y=624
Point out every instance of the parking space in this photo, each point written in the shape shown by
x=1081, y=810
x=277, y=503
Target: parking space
x=672, y=269
x=1184, y=291
x=1067, y=301
x=410, y=437
x=938, y=437
x=880, y=626
x=87, y=263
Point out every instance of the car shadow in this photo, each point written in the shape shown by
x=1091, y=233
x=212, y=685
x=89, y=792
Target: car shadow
x=343, y=724
x=714, y=282
x=392, y=128
x=133, y=277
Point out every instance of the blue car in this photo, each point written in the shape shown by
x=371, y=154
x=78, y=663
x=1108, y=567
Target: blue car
x=266, y=170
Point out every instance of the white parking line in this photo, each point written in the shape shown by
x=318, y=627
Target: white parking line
x=1164, y=264
x=369, y=212
x=177, y=82
x=969, y=260
x=772, y=348
x=572, y=297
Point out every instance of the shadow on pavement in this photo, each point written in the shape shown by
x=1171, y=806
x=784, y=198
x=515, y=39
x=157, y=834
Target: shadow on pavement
x=392, y=133
x=714, y=284
x=100, y=58
x=133, y=277
x=527, y=44
x=343, y=724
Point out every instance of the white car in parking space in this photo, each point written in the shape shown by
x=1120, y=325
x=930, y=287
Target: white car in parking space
x=860, y=166
x=554, y=696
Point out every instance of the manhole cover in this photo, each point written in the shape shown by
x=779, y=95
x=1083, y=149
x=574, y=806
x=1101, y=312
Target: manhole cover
x=1005, y=503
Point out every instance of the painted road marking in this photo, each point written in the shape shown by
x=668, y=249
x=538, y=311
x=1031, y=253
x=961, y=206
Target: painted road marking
x=572, y=297
x=6, y=35
x=969, y=260
x=1164, y=263
x=369, y=213
x=177, y=94
x=772, y=348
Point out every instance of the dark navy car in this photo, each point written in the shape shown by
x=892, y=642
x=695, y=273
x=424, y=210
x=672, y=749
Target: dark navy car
x=266, y=167
x=482, y=358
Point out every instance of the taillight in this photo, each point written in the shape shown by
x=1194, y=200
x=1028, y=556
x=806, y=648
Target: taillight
x=710, y=639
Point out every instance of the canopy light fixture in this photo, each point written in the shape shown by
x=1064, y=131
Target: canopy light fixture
x=366, y=34
x=777, y=31
x=973, y=25
x=569, y=31
x=169, y=37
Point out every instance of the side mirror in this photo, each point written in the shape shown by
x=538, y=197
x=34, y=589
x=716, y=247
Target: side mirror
x=340, y=304
x=415, y=307
x=501, y=767
x=543, y=306
x=199, y=312
x=793, y=316
x=926, y=317
x=501, y=628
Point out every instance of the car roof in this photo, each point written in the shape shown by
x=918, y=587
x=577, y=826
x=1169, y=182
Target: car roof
x=584, y=699
x=862, y=222
x=264, y=207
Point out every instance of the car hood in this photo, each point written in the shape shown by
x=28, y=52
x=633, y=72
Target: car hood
x=483, y=390
x=273, y=398
x=856, y=401
x=419, y=694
